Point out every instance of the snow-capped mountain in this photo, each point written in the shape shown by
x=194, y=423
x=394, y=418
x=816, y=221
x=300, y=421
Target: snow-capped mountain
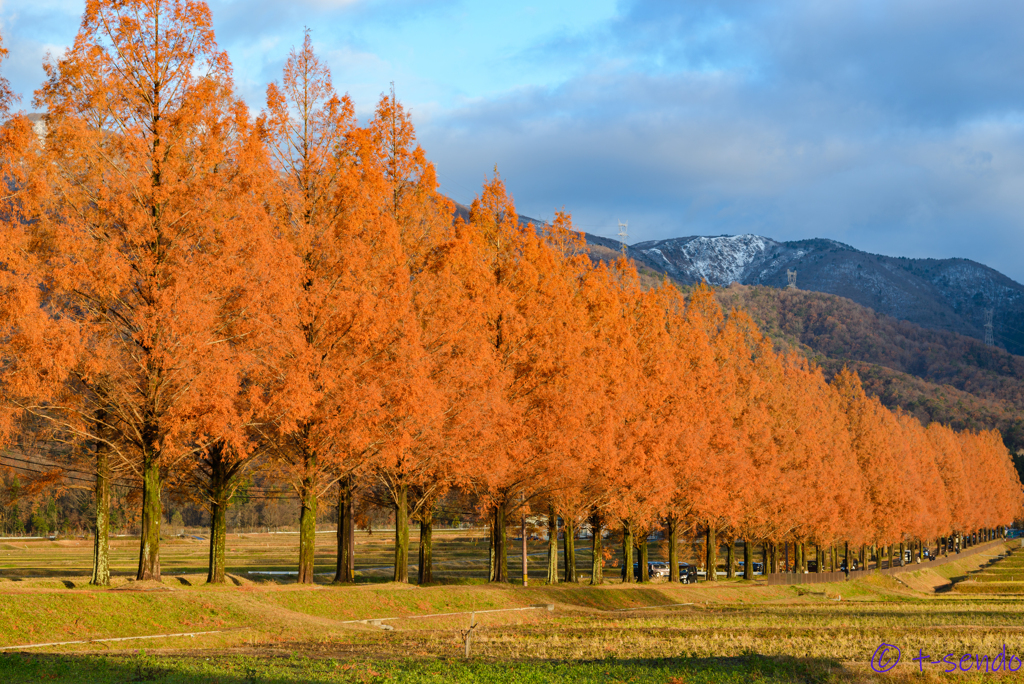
x=720, y=260
x=943, y=294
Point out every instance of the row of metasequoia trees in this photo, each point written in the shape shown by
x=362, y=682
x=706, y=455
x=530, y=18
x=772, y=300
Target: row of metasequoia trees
x=189, y=294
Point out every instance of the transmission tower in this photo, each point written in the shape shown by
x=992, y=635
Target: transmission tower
x=990, y=338
x=623, y=234
x=791, y=278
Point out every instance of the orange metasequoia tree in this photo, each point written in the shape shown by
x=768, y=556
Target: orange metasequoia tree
x=438, y=391
x=693, y=325
x=352, y=307
x=309, y=132
x=871, y=441
x=533, y=356
x=141, y=228
x=23, y=324
x=565, y=402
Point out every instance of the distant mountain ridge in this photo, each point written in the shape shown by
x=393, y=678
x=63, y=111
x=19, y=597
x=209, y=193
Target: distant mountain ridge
x=941, y=294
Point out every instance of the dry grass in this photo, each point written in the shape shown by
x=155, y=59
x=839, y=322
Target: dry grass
x=808, y=633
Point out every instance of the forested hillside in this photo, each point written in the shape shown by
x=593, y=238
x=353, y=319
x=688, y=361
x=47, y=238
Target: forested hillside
x=934, y=375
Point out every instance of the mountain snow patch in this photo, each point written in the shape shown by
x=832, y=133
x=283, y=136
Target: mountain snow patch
x=721, y=260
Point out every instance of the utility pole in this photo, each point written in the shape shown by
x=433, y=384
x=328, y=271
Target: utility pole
x=990, y=338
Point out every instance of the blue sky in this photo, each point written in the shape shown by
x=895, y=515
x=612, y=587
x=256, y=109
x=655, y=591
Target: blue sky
x=896, y=126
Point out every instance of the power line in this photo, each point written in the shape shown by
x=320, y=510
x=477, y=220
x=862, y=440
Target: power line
x=262, y=493
x=263, y=496
x=259, y=490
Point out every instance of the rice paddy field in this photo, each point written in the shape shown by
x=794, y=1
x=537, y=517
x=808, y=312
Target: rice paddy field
x=265, y=628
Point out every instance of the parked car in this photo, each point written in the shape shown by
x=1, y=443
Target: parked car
x=657, y=569
x=757, y=565
x=654, y=569
x=812, y=566
x=687, y=573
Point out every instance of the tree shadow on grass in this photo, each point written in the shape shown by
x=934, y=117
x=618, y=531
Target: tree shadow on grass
x=248, y=669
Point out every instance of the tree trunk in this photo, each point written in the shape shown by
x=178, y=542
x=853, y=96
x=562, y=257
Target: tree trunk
x=673, y=548
x=764, y=559
x=627, y=554
x=748, y=560
x=798, y=556
x=500, y=546
x=526, y=568
x=645, y=571
x=712, y=560
x=152, y=511
x=219, y=500
x=345, y=570
x=569, y=545
x=597, y=561
x=307, y=519
x=597, y=551
x=552, y=546
x=401, y=533
x=490, y=549
x=218, y=541
x=730, y=559
x=307, y=534
x=101, y=547
x=425, y=572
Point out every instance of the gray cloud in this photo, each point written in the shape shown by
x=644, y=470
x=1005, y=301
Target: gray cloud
x=895, y=126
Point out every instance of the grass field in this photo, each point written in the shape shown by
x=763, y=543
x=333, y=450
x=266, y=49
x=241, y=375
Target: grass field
x=459, y=555
x=272, y=630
